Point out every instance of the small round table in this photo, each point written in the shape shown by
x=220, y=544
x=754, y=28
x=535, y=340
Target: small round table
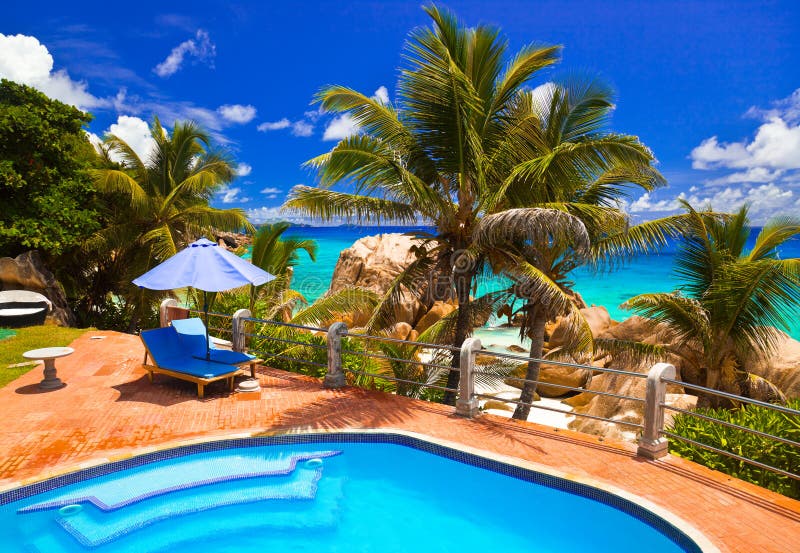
x=49, y=356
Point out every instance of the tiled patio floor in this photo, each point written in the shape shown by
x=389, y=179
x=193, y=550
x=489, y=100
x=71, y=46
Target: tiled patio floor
x=109, y=409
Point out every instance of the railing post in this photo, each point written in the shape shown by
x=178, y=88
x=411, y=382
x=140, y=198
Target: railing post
x=334, y=378
x=238, y=338
x=163, y=317
x=467, y=405
x=652, y=445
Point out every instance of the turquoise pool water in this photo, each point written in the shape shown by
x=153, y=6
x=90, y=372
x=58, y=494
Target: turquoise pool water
x=325, y=496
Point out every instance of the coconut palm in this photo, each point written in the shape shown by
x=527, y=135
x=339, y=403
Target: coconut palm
x=158, y=204
x=453, y=149
x=278, y=255
x=168, y=192
x=730, y=299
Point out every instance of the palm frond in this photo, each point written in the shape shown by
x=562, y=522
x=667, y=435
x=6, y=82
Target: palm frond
x=328, y=204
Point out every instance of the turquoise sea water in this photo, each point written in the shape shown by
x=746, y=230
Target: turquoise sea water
x=323, y=497
x=643, y=274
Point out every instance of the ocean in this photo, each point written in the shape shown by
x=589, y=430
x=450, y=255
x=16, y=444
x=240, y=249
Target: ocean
x=642, y=274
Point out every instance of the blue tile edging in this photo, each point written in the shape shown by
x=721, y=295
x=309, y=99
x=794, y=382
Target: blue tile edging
x=627, y=506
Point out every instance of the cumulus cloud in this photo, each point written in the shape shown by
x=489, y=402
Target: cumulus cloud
x=237, y=113
x=230, y=195
x=271, y=192
x=136, y=132
x=776, y=145
x=200, y=48
x=243, y=169
x=340, y=127
x=765, y=201
x=763, y=171
x=265, y=214
x=302, y=128
x=274, y=125
x=382, y=95
x=23, y=59
x=344, y=125
x=752, y=175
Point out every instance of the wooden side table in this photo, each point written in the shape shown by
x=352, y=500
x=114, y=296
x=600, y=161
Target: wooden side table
x=49, y=356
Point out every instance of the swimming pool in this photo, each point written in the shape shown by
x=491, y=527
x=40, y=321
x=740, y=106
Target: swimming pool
x=324, y=492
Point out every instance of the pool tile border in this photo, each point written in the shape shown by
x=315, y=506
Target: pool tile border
x=630, y=507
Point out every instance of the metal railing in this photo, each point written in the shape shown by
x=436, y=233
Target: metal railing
x=435, y=361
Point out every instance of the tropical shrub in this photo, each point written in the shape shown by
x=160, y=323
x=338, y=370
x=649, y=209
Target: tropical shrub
x=764, y=450
x=45, y=186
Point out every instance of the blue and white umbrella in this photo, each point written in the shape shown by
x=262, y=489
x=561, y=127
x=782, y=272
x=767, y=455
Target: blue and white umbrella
x=204, y=266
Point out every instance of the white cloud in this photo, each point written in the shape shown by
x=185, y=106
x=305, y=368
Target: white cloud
x=710, y=153
x=776, y=144
x=264, y=214
x=302, y=128
x=270, y=190
x=201, y=48
x=764, y=170
x=274, y=125
x=382, y=95
x=345, y=126
x=23, y=59
x=237, y=113
x=752, y=175
x=765, y=201
x=340, y=127
x=243, y=169
x=136, y=132
x=230, y=195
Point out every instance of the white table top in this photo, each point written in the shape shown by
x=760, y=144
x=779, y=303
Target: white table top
x=47, y=353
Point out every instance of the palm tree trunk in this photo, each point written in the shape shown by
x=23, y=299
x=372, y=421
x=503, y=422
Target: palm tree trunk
x=463, y=329
x=538, y=321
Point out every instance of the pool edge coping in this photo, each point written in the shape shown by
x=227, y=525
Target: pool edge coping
x=689, y=530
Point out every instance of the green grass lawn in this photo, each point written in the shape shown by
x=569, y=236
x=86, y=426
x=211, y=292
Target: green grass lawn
x=32, y=337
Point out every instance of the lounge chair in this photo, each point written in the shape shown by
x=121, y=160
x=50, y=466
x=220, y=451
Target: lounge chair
x=192, y=334
x=175, y=355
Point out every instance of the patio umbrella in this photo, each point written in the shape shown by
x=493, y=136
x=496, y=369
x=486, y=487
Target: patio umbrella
x=205, y=266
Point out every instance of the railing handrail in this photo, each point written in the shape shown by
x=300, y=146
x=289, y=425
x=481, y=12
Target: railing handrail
x=734, y=397
x=653, y=443
x=525, y=359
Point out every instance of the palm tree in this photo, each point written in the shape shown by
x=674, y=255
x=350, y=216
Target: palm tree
x=452, y=150
x=730, y=300
x=278, y=255
x=160, y=204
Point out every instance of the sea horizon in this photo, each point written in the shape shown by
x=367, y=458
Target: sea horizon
x=609, y=288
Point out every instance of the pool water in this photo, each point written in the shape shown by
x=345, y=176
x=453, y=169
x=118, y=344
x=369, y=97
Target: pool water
x=323, y=496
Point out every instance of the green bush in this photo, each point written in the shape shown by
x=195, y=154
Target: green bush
x=270, y=349
x=764, y=450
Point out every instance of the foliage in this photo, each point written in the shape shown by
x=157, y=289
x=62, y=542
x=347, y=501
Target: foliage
x=278, y=255
x=730, y=300
x=746, y=444
x=310, y=359
x=152, y=207
x=115, y=313
x=32, y=337
x=464, y=140
x=44, y=182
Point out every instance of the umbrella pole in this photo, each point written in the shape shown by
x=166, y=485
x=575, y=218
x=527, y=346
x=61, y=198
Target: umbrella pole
x=205, y=310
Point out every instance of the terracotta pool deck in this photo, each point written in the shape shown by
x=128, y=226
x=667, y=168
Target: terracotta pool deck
x=109, y=409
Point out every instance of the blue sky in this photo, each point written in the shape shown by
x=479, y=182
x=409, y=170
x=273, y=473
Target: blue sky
x=712, y=87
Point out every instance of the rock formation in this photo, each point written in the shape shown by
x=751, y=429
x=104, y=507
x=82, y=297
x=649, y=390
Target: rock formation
x=373, y=262
x=27, y=272
x=781, y=368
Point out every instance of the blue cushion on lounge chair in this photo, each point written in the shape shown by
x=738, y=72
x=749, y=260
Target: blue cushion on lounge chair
x=168, y=353
x=192, y=335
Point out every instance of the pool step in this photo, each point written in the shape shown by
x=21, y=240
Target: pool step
x=166, y=478
x=288, y=507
